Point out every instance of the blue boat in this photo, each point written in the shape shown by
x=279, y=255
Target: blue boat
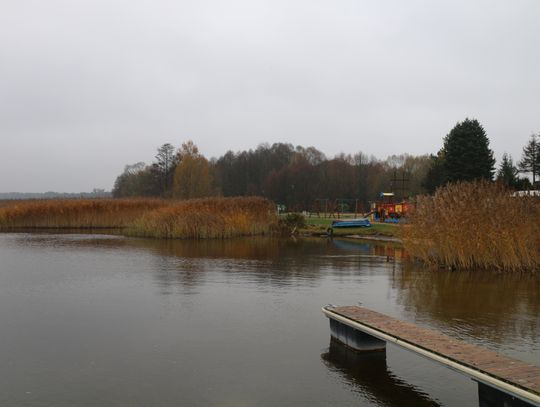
x=352, y=223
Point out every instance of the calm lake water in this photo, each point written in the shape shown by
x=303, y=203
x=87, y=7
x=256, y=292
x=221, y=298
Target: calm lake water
x=97, y=320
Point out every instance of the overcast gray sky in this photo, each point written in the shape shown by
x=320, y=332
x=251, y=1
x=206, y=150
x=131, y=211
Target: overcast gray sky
x=87, y=86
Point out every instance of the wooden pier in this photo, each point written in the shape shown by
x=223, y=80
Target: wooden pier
x=502, y=381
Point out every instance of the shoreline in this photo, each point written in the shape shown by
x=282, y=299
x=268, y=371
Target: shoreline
x=356, y=236
x=376, y=238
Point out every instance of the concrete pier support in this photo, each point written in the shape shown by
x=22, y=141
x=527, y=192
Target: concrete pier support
x=354, y=338
x=491, y=397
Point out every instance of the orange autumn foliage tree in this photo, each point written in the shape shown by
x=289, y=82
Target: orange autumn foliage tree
x=192, y=177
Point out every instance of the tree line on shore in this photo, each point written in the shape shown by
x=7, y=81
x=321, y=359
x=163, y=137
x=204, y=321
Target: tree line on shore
x=299, y=176
x=289, y=175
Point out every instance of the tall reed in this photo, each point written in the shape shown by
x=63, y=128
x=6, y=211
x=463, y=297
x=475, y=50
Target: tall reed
x=475, y=225
x=208, y=218
x=197, y=218
x=75, y=213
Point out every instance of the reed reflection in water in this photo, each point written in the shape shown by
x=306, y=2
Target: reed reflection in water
x=499, y=310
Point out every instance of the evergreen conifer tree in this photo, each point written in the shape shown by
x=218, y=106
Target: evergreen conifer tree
x=507, y=173
x=435, y=176
x=467, y=155
x=530, y=160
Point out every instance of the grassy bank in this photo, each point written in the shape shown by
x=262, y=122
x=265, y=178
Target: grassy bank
x=201, y=218
x=475, y=225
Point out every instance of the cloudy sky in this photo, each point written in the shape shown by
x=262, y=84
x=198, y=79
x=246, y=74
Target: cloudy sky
x=87, y=86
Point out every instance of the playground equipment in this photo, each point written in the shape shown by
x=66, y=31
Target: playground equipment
x=387, y=210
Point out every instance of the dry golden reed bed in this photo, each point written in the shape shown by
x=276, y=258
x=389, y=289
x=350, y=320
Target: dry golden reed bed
x=75, y=213
x=200, y=218
x=209, y=218
x=475, y=225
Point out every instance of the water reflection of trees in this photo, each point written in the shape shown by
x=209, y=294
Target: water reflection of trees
x=170, y=272
x=502, y=307
x=270, y=261
x=369, y=375
x=262, y=260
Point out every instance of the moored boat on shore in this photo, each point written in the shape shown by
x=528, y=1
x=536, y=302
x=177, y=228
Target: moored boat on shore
x=351, y=223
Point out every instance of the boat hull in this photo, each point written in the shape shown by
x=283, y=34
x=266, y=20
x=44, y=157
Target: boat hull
x=351, y=223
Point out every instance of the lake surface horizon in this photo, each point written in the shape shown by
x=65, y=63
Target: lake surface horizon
x=108, y=320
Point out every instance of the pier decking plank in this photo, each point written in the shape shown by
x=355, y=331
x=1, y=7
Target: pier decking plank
x=517, y=373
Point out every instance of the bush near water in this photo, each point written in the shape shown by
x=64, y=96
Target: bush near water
x=475, y=225
x=198, y=218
